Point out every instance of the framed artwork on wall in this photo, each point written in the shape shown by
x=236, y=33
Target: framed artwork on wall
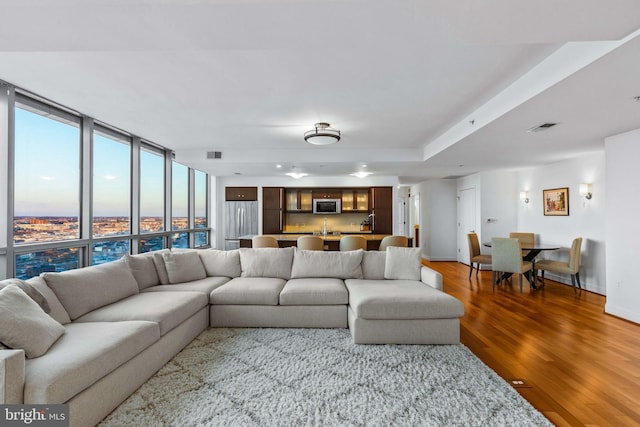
x=556, y=201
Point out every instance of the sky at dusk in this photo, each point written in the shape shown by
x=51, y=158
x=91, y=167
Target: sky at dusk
x=47, y=173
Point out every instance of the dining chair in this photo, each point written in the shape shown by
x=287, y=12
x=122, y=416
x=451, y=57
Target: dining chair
x=264, y=242
x=310, y=243
x=506, y=256
x=475, y=257
x=571, y=267
x=526, y=239
x=352, y=243
x=387, y=241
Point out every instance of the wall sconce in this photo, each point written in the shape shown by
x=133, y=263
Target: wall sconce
x=524, y=196
x=585, y=190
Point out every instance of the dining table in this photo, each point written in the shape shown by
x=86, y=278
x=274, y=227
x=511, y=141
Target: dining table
x=531, y=253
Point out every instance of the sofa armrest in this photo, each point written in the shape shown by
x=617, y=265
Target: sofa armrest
x=431, y=278
x=12, y=365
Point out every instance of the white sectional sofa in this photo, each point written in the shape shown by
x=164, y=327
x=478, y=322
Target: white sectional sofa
x=110, y=327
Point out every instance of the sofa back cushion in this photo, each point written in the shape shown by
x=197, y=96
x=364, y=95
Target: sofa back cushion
x=57, y=311
x=329, y=264
x=373, y=265
x=158, y=261
x=85, y=289
x=183, y=266
x=221, y=263
x=403, y=263
x=143, y=269
x=266, y=262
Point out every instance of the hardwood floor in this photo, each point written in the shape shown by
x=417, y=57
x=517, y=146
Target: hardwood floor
x=580, y=366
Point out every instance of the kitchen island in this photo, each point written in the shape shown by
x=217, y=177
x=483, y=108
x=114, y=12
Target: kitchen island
x=331, y=240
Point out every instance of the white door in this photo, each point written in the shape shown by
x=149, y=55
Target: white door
x=414, y=215
x=466, y=221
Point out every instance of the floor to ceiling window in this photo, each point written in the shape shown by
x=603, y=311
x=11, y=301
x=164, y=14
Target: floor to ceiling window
x=179, y=205
x=82, y=193
x=46, y=178
x=111, y=195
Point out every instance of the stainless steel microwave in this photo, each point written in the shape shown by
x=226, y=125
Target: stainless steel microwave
x=327, y=206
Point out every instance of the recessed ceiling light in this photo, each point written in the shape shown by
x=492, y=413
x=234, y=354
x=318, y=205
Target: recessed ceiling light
x=364, y=166
x=279, y=166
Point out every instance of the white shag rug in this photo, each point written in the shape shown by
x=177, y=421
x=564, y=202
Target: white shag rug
x=318, y=377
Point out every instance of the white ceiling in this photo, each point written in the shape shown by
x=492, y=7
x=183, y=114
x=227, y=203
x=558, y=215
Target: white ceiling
x=419, y=89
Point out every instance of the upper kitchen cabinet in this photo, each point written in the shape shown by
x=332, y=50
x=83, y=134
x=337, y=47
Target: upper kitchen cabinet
x=331, y=193
x=355, y=200
x=299, y=200
x=272, y=210
x=241, y=194
x=381, y=202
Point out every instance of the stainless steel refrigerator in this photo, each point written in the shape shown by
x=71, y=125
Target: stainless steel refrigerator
x=240, y=219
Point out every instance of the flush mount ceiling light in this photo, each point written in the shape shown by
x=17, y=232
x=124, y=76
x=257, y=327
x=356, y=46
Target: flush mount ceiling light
x=297, y=175
x=323, y=134
x=361, y=174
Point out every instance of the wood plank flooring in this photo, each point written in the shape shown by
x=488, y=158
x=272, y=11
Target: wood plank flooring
x=579, y=366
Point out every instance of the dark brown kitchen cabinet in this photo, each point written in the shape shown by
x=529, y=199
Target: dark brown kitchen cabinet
x=249, y=194
x=381, y=202
x=272, y=210
x=330, y=193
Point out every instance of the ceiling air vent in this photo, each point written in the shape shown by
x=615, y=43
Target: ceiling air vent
x=216, y=155
x=542, y=127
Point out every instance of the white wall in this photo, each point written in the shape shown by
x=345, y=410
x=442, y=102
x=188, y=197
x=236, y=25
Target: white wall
x=586, y=218
x=438, y=219
x=622, y=225
x=219, y=183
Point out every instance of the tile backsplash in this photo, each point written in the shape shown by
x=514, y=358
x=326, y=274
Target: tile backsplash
x=308, y=223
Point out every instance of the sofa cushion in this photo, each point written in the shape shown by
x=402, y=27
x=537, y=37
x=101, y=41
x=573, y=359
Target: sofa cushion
x=143, y=269
x=204, y=286
x=168, y=309
x=400, y=299
x=249, y=291
x=85, y=289
x=335, y=264
x=373, y=264
x=221, y=263
x=403, y=263
x=83, y=355
x=266, y=262
x=57, y=310
x=314, y=291
x=24, y=324
x=28, y=289
x=183, y=266
x=158, y=261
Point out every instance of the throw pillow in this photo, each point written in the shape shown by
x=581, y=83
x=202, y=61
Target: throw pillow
x=221, y=263
x=25, y=325
x=266, y=262
x=183, y=266
x=373, y=265
x=85, y=289
x=143, y=269
x=331, y=264
x=29, y=290
x=403, y=263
